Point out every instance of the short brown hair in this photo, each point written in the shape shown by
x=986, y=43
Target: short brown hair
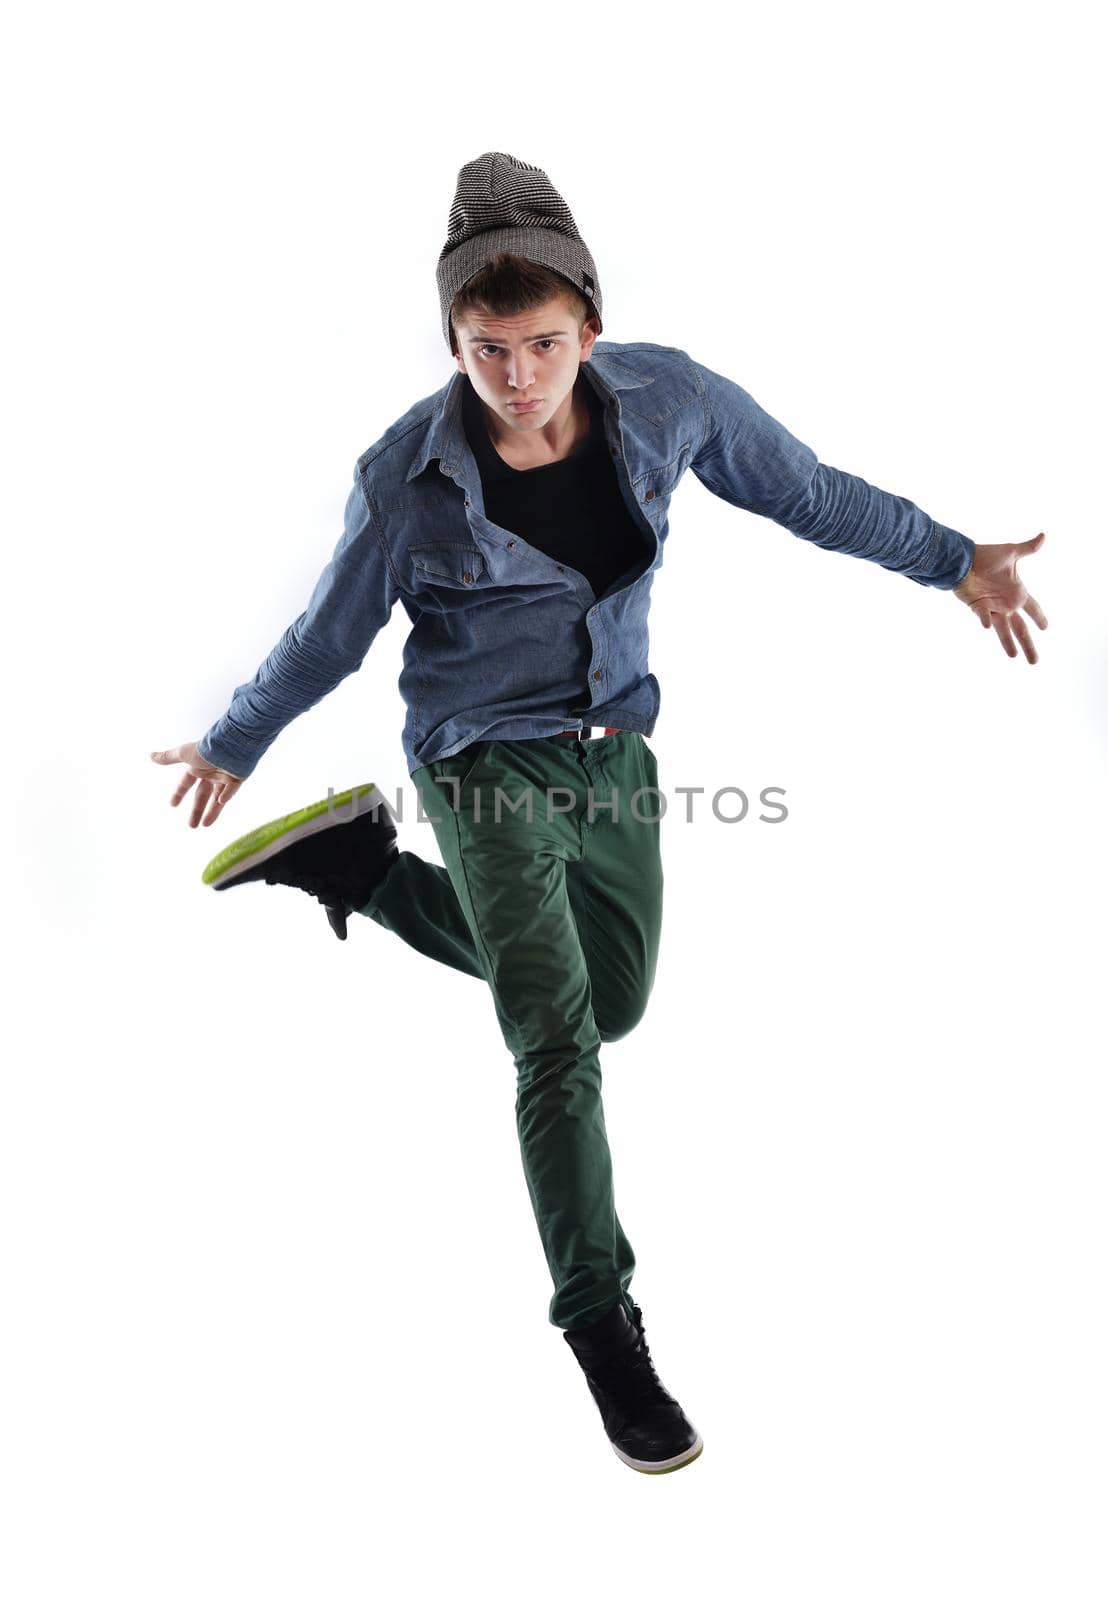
x=508, y=284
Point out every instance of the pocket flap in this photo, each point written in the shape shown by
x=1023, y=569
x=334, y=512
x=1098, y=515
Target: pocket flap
x=458, y=563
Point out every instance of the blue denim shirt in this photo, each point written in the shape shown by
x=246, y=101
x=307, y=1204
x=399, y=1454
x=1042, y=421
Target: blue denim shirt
x=503, y=637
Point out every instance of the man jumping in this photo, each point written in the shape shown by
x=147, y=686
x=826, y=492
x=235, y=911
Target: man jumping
x=519, y=515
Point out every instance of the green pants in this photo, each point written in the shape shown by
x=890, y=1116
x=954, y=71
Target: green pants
x=559, y=909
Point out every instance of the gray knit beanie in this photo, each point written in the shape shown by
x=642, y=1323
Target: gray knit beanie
x=504, y=204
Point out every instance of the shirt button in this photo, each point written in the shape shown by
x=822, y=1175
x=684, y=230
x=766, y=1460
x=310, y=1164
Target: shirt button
x=511, y=544
x=560, y=567
x=467, y=577
x=596, y=674
x=650, y=494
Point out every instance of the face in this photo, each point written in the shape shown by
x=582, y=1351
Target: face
x=534, y=356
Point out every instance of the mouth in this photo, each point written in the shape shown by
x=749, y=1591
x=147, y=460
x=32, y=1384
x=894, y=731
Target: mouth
x=524, y=405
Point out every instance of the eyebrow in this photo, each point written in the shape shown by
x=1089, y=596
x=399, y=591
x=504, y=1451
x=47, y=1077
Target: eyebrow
x=478, y=338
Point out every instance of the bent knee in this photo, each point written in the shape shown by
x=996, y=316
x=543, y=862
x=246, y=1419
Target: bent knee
x=617, y=1023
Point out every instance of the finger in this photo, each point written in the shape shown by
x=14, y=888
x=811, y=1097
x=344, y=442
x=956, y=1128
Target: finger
x=165, y=756
x=221, y=795
x=182, y=788
x=1023, y=634
x=1028, y=545
x=203, y=790
x=1034, y=611
x=982, y=611
x=1004, y=633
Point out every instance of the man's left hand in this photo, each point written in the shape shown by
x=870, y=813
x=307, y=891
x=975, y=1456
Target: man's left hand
x=992, y=588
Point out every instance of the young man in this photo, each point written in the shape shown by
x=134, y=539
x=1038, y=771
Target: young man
x=519, y=515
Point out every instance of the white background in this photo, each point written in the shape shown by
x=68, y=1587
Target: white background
x=275, y=1309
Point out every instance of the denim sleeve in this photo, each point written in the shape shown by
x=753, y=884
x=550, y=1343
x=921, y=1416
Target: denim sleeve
x=351, y=602
x=752, y=461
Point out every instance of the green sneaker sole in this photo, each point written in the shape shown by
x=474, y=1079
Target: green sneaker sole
x=266, y=841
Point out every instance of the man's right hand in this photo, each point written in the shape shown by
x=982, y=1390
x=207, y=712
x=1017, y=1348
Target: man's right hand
x=215, y=787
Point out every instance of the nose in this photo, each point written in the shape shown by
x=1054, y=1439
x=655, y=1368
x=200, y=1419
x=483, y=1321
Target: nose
x=520, y=375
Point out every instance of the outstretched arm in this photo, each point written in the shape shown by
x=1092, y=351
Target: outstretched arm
x=352, y=600
x=749, y=459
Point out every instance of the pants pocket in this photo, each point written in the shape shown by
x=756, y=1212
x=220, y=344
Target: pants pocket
x=458, y=771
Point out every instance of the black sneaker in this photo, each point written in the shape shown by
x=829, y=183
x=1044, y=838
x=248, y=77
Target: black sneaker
x=337, y=850
x=646, y=1426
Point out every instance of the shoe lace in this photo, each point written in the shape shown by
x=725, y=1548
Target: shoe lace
x=631, y=1377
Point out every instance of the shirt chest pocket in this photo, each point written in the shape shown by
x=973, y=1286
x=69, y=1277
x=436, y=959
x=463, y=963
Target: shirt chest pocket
x=654, y=488
x=445, y=566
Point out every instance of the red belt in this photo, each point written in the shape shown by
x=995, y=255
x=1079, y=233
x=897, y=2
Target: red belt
x=586, y=733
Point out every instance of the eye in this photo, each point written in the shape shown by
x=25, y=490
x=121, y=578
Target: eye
x=481, y=348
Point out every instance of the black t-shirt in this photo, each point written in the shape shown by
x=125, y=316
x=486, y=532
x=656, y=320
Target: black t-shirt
x=571, y=510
